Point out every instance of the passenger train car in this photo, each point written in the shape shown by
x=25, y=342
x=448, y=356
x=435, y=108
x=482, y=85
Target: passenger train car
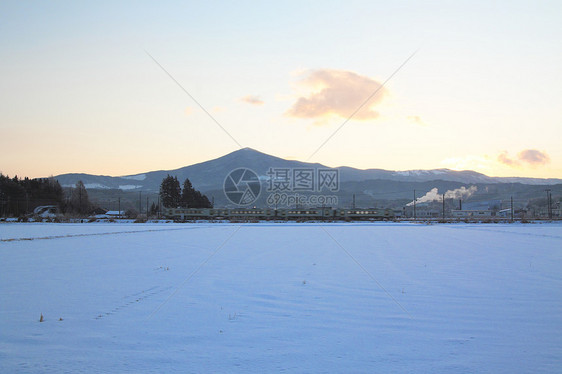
x=356, y=214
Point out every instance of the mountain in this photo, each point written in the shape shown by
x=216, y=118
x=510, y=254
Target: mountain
x=210, y=175
x=364, y=188
x=204, y=176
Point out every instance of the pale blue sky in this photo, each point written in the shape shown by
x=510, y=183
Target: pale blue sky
x=79, y=94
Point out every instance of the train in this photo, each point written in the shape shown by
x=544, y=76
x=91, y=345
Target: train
x=269, y=214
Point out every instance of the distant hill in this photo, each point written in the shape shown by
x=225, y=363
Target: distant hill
x=209, y=175
x=205, y=176
x=369, y=185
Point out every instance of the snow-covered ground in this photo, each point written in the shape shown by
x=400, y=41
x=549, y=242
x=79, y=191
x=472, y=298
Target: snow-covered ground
x=311, y=298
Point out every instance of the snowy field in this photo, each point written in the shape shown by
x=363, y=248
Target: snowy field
x=261, y=298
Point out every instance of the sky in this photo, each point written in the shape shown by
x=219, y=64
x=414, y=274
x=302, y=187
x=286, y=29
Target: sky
x=391, y=85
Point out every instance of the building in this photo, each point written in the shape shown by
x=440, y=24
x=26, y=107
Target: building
x=115, y=213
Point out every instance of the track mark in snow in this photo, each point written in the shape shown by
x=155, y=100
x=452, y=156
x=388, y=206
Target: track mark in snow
x=93, y=234
x=134, y=298
x=162, y=268
x=195, y=271
x=506, y=232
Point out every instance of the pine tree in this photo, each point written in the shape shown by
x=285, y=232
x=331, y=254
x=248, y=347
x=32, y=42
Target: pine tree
x=191, y=198
x=188, y=195
x=170, y=192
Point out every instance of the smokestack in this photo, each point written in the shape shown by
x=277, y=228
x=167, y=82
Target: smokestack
x=460, y=204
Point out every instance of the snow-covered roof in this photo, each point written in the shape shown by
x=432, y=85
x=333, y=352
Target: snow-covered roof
x=115, y=213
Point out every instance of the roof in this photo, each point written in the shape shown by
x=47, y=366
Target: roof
x=115, y=213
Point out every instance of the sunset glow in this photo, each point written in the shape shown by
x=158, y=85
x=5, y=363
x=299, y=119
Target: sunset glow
x=80, y=94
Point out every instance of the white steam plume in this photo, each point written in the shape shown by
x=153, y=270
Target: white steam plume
x=459, y=193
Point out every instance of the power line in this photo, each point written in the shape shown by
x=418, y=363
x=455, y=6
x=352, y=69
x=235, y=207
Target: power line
x=192, y=274
x=194, y=100
x=362, y=105
x=366, y=271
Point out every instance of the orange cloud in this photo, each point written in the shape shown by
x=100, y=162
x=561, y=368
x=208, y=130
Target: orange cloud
x=506, y=160
x=251, y=99
x=337, y=93
x=534, y=157
x=531, y=157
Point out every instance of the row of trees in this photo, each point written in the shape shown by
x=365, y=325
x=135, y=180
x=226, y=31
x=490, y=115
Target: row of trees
x=19, y=197
x=172, y=195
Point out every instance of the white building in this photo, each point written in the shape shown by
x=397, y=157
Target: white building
x=115, y=213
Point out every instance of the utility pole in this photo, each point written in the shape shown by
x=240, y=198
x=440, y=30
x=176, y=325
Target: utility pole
x=443, y=207
x=550, y=204
x=549, y=212
x=511, y=208
x=414, y=205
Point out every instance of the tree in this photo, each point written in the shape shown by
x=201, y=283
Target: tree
x=12, y=194
x=170, y=192
x=153, y=209
x=202, y=201
x=79, y=201
x=192, y=198
x=188, y=195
